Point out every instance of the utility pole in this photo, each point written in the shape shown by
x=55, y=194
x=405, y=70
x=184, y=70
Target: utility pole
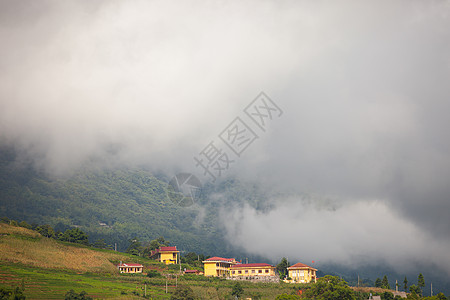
x=396, y=285
x=358, y=280
x=115, y=247
x=145, y=290
x=431, y=289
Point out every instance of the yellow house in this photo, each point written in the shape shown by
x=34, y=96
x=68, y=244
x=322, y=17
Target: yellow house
x=218, y=266
x=167, y=255
x=301, y=273
x=255, y=269
x=130, y=268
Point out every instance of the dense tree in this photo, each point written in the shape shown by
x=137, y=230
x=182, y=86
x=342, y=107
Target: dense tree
x=154, y=244
x=237, y=290
x=421, y=282
x=135, y=247
x=441, y=296
x=385, y=283
x=162, y=241
x=193, y=259
x=4, y=293
x=46, y=230
x=378, y=282
x=282, y=268
x=405, y=284
x=74, y=235
x=101, y=244
x=388, y=296
x=414, y=289
x=329, y=287
x=71, y=295
x=183, y=292
x=153, y=274
x=16, y=294
x=25, y=225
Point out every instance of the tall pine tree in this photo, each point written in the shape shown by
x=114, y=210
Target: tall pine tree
x=385, y=283
x=421, y=283
x=378, y=282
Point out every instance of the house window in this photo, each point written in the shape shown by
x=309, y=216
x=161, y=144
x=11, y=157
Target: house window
x=217, y=264
x=259, y=271
x=246, y=271
x=253, y=271
x=267, y=271
x=233, y=272
x=239, y=272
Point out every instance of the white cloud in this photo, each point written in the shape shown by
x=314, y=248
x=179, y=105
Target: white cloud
x=353, y=234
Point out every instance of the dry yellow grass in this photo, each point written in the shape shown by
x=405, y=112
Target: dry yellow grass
x=370, y=289
x=7, y=229
x=38, y=251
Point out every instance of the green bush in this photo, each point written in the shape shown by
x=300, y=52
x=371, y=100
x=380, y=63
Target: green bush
x=153, y=274
x=173, y=267
x=237, y=290
x=183, y=292
x=17, y=294
x=71, y=295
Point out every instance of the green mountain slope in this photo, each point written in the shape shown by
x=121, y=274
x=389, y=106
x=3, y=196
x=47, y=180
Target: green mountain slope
x=132, y=203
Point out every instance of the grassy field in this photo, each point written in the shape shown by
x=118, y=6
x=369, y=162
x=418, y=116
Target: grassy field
x=47, y=269
x=54, y=284
x=20, y=245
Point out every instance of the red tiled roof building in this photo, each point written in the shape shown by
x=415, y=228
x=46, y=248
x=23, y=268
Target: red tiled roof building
x=167, y=255
x=302, y=273
x=218, y=266
x=130, y=268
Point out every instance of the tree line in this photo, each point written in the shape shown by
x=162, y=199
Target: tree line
x=73, y=235
x=414, y=289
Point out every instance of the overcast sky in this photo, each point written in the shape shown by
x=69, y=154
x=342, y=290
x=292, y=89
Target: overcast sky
x=364, y=88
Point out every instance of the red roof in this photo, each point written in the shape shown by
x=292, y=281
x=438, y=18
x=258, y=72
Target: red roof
x=192, y=271
x=164, y=249
x=255, y=265
x=300, y=265
x=173, y=248
x=216, y=258
x=130, y=265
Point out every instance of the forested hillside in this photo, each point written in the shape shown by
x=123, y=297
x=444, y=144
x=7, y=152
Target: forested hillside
x=129, y=202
